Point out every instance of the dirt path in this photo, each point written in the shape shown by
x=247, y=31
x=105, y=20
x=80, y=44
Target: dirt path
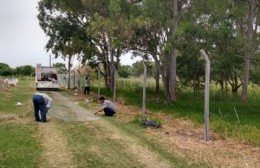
x=67, y=110
x=54, y=144
x=141, y=153
x=55, y=148
x=55, y=152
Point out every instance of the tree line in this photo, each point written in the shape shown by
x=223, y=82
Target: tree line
x=168, y=32
x=25, y=70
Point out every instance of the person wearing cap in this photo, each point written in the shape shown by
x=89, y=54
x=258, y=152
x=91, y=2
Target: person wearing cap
x=41, y=102
x=107, y=106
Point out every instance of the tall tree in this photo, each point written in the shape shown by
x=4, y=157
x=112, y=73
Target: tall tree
x=248, y=50
x=110, y=28
x=158, y=22
x=64, y=23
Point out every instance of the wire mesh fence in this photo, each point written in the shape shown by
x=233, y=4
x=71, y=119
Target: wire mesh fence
x=67, y=110
x=76, y=81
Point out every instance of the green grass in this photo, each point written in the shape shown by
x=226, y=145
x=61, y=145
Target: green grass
x=93, y=146
x=163, y=150
x=19, y=148
x=191, y=106
x=18, y=144
x=21, y=93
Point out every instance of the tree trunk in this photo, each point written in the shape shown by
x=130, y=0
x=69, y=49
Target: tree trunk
x=111, y=63
x=172, y=88
x=106, y=67
x=161, y=72
x=157, y=80
x=248, y=49
x=112, y=69
x=69, y=68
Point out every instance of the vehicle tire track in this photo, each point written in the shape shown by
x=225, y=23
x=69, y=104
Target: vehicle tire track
x=138, y=151
x=55, y=151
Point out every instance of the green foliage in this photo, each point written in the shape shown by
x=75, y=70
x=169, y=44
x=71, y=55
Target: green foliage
x=115, y=9
x=157, y=10
x=61, y=68
x=255, y=73
x=26, y=70
x=96, y=29
x=124, y=71
x=138, y=68
x=5, y=70
x=62, y=22
x=190, y=67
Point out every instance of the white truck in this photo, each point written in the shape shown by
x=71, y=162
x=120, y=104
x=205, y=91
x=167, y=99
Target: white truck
x=46, y=78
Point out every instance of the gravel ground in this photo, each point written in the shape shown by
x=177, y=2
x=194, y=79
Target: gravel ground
x=65, y=109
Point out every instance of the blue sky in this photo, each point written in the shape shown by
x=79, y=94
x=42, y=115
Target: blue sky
x=22, y=41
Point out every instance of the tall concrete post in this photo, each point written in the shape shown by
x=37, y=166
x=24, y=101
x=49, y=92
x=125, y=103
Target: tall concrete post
x=206, y=97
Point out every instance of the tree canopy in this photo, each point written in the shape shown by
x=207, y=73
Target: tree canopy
x=171, y=32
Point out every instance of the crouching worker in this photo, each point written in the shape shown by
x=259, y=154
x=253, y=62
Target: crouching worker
x=41, y=102
x=107, y=106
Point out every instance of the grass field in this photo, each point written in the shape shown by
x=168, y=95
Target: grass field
x=106, y=143
x=223, y=107
x=119, y=141
x=18, y=144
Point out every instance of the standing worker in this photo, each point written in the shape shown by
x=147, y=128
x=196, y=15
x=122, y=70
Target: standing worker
x=41, y=102
x=107, y=106
x=87, y=85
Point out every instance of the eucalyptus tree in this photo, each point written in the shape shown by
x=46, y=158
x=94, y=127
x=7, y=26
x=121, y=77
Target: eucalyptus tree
x=190, y=38
x=225, y=27
x=249, y=45
x=217, y=21
x=233, y=41
x=154, y=35
x=109, y=27
x=64, y=22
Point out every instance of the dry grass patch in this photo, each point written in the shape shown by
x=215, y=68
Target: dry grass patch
x=13, y=119
x=186, y=139
x=55, y=148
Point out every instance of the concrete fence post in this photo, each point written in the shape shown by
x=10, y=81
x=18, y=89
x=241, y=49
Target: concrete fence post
x=206, y=97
